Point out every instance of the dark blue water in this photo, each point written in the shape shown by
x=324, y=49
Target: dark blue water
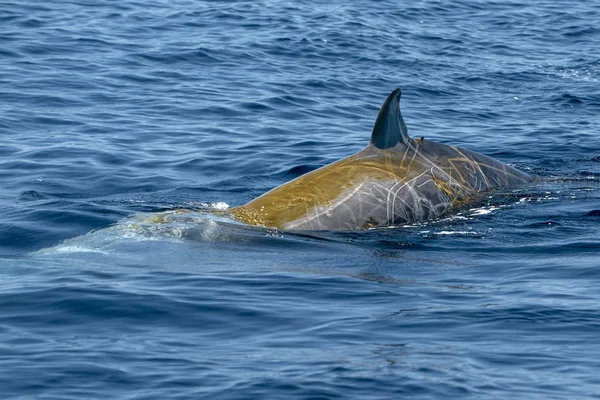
x=115, y=114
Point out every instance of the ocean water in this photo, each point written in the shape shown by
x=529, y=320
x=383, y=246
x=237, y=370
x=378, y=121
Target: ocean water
x=115, y=114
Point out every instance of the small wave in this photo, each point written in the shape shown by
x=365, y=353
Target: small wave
x=482, y=210
x=457, y=233
x=589, y=73
x=77, y=249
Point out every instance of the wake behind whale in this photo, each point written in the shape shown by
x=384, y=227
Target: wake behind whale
x=394, y=180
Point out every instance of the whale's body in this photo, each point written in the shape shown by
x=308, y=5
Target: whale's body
x=394, y=180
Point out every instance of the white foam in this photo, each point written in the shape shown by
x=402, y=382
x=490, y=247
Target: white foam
x=220, y=205
x=456, y=233
x=482, y=210
x=75, y=249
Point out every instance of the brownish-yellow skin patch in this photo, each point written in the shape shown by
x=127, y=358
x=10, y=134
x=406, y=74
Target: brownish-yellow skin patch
x=458, y=174
x=294, y=199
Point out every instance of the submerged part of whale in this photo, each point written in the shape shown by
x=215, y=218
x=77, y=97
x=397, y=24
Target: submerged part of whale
x=394, y=180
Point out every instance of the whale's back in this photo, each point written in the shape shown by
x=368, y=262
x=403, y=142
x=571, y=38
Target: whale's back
x=395, y=179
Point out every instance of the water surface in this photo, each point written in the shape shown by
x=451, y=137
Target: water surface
x=113, y=112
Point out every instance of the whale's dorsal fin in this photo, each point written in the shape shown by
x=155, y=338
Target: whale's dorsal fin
x=390, y=129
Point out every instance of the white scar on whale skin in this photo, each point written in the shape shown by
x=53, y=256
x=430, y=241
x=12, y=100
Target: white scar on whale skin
x=394, y=180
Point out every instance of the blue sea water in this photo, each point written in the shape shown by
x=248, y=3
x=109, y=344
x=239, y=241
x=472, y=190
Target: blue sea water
x=115, y=114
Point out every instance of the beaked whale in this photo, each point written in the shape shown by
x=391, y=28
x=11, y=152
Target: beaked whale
x=394, y=180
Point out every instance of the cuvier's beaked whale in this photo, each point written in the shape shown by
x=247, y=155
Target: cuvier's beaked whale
x=394, y=180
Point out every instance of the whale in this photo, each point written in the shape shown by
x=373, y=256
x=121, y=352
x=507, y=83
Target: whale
x=394, y=180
